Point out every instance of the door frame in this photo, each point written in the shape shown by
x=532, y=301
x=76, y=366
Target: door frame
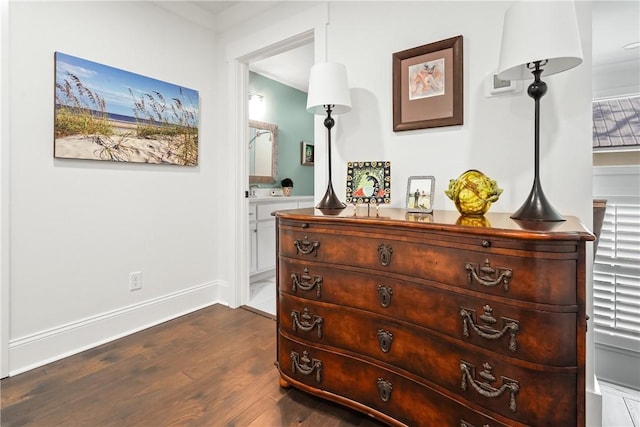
x=295, y=31
x=4, y=190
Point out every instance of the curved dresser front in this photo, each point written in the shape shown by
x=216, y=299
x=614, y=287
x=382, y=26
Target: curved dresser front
x=420, y=320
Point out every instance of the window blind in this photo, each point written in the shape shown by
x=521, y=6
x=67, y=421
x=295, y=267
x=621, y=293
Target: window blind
x=616, y=278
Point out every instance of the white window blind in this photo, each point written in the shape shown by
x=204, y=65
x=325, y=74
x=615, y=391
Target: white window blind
x=616, y=277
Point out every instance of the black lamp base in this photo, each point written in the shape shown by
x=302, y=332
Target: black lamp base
x=330, y=200
x=537, y=207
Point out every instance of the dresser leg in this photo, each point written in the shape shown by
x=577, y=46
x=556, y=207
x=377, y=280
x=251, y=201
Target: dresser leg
x=283, y=383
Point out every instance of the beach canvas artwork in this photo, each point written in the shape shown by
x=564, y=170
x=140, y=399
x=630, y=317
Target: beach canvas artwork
x=104, y=113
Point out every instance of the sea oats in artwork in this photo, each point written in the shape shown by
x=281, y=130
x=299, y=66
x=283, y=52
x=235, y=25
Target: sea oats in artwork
x=104, y=113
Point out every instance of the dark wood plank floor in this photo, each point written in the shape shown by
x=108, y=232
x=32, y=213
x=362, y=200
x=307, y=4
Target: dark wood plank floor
x=213, y=367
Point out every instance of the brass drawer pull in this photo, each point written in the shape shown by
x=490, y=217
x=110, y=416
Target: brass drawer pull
x=307, y=366
x=384, y=295
x=306, y=247
x=487, y=330
x=305, y=322
x=464, y=423
x=306, y=282
x=384, y=389
x=484, y=387
x=384, y=254
x=385, y=338
x=486, y=275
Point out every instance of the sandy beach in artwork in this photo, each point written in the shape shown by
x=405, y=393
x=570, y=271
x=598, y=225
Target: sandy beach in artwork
x=124, y=145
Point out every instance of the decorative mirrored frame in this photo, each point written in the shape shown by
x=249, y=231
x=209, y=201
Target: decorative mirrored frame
x=267, y=132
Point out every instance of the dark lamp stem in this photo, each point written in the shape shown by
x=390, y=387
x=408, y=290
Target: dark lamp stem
x=537, y=207
x=330, y=200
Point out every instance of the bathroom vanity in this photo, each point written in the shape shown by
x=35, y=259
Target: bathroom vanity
x=262, y=229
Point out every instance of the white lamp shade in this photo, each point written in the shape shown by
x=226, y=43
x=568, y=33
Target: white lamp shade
x=538, y=31
x=328, y=86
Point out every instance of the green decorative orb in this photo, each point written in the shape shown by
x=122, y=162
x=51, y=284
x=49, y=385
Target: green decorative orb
x=473, y=193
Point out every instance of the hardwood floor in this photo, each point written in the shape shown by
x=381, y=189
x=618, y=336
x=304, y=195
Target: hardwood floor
x=213, y=367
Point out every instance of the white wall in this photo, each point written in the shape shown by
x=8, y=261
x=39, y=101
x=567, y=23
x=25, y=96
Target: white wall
x=79, y=227
x=497, y=135
x=4, y=192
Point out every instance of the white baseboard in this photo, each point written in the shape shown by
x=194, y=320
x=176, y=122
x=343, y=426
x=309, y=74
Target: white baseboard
x=617, y=365
x=593, y=402
x=47, y=346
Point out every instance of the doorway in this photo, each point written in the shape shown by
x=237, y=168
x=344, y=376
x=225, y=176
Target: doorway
x=304, y=30
x=279, y=83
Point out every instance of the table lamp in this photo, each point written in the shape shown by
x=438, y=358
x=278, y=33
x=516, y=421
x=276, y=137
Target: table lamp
x=538, y=37
x=329, y=94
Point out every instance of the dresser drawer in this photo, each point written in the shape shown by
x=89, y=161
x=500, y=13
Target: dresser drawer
x=411, y=349
x=488, y=322
x=541, y=277
x=355, y=383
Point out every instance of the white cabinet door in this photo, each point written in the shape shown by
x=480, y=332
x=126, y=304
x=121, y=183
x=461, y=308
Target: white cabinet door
x=262, y=229
x=266, y=243
x=253, y=243
x=253, y=236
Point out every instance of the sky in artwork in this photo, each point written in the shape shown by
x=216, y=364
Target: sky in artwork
x=113, y=84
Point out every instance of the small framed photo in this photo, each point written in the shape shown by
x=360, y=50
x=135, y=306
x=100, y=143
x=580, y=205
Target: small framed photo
x=420, y=193
x=308, y=153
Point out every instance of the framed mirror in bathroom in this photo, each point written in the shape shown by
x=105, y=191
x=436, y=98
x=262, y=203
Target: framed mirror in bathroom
x=263, y=152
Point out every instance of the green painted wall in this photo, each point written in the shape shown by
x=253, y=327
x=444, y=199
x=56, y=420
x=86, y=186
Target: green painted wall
x=287, y=107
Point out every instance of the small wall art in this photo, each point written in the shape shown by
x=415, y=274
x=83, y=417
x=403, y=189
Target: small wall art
x=420, y=191
x=428, y=86
x=308, y=153
x=369, y=182
x=104, y=113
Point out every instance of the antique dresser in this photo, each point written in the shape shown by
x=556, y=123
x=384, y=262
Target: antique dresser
x=434, y=319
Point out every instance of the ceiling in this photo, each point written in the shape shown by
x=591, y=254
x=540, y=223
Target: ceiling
x=614, y=25
x=290, y=68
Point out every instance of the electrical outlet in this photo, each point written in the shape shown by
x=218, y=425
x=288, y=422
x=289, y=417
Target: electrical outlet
x=135, y=280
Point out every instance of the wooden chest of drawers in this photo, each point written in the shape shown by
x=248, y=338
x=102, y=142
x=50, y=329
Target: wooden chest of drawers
x=421, y=320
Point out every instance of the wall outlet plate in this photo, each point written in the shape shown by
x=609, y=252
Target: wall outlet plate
x=135, y=280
